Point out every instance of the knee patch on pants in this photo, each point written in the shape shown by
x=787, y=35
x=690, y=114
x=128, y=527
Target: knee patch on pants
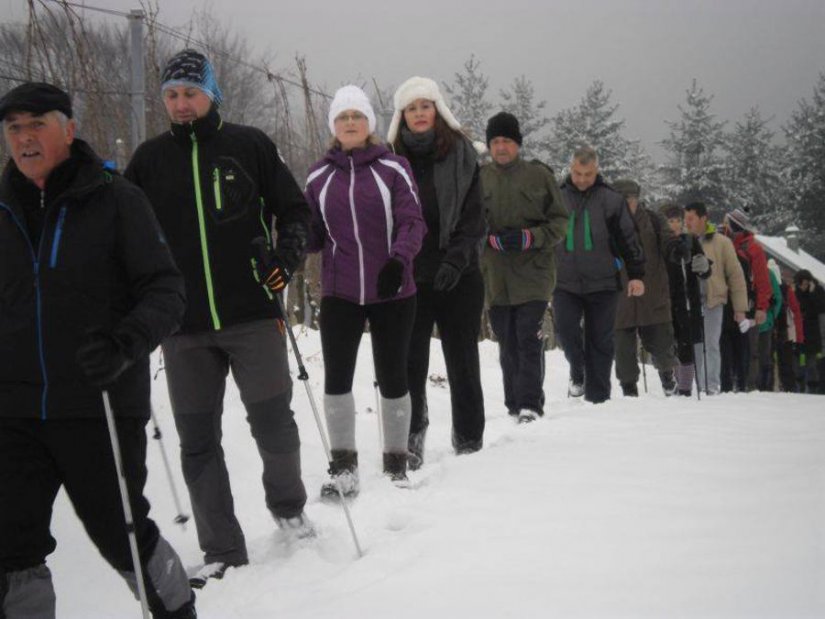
x=273, y=424
x=27, y=593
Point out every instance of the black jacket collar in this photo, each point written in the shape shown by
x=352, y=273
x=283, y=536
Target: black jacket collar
x=203, y=128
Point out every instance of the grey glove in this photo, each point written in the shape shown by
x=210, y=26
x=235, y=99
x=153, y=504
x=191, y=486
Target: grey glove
x=699, y=264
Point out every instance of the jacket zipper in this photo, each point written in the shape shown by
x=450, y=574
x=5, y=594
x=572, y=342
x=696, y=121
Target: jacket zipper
x=355, y=226
x=58, y=233
x=207, y=269
x=216, y=188
x=39, y=304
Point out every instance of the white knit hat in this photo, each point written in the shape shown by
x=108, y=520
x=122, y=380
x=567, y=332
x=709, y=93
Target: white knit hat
x=419, y=88
x=350, y=98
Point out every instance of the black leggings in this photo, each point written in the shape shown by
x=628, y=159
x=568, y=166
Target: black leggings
x=342, y=324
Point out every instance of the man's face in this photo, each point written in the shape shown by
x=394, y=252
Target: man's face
x=503, y=150
x=803, y=285
x=583, y=175
x=633, y=203
x=695, y=225
x=675, y=224
x=38, y=143
x=185, y=104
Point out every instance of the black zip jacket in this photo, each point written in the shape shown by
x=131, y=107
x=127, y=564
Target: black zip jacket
x=215, y=186
x=601, y=237
x=100, y=261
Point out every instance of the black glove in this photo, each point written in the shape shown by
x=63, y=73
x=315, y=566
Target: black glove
x=681, y=251
x=390, y=278
x=700, y=264
x=269, y=267
x=511, y=240
x=104, y=356
x=446, y=278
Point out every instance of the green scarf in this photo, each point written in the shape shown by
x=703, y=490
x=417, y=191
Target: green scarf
x=571, y=225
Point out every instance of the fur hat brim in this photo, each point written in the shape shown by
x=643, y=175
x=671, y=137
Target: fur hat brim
x=419, y=88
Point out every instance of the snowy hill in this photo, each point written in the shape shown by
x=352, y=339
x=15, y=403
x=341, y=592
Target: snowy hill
x=637, y=508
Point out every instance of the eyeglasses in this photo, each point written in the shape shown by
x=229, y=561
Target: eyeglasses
x=353, y=116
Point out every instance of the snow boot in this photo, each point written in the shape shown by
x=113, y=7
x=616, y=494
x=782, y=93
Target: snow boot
x=395, y=467
x=575, y=389
x=630, y=390
x=685, y=392
x=211, y=571
x=343, y=472
x=668, y=382
x=415, y=449
x=299, y=527
x=463, y=446
x=526, y=415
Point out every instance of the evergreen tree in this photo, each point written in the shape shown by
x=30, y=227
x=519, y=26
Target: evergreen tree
x=593, y=122
x=519, y=100
x=467, y=98
x=805, y=133
x=752, y=174
x=695, y=171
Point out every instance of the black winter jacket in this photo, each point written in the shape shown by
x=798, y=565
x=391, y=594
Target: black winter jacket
x=600, y=232
x=101, y=262
x=215, y=186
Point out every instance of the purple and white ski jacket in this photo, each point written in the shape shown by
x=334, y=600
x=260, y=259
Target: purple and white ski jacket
x=365, y=210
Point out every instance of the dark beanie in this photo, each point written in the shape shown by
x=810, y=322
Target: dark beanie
x=37, y=98
x=503, y=125
x=627, y=187
x=672, y=211
x=191, y=68
x=803, y=275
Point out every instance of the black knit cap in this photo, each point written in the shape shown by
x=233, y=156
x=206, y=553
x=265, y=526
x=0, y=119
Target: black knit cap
x=503, y=125
x=803, y=275
x=672, y=211
x=627, y=187
x=36, y=98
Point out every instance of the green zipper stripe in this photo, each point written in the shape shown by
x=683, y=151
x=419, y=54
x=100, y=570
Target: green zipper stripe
x=588, y=236
x=569, y=243
x=571, y=227
x=207, y=270
x=216, y=187
x=267, y=231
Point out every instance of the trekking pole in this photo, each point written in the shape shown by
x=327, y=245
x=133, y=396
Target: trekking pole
x=127, y=507
x=644, y=370
x=690, y=333
x=181, y=518
x=303, y=376
x=378, y=410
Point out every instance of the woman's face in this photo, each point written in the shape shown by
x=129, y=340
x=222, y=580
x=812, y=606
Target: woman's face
x=420, y=115
x=352, y=129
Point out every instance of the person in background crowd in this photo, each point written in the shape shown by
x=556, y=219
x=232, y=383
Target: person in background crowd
x=588, y=283
x=811, y=297
x=686, y=299
x=367, y=220
x=526, y=219
x=447, y=274
x=726, y=284
x=649, y=317
x=738, y=227
x=789, y=334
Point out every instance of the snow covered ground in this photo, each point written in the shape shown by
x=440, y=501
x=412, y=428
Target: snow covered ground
x=649, y=507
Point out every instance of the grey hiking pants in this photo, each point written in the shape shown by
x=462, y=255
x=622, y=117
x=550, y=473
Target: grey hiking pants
x=197, y=366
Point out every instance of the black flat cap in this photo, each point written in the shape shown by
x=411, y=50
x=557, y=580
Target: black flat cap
x=36, y=98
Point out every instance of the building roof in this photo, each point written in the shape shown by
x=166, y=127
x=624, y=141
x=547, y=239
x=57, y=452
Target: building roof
x=777, y=247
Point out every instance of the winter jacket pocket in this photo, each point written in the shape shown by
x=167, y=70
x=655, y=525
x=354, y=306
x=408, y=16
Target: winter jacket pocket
x=233, y=190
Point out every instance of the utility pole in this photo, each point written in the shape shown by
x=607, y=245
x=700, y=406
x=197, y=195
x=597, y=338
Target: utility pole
x=138, y=79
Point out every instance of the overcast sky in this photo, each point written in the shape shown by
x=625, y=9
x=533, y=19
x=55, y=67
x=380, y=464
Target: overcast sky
x=745, y=52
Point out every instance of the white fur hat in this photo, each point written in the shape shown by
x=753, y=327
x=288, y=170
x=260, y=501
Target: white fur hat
x=350, y=98
x=419, y=88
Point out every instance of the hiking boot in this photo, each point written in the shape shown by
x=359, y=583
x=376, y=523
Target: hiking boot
x=343, y=475
x=526, y=415
x=395, y=467
x=209, y=571
x=575, y=389
x=415, y=449
x=630, y=390
x=685, y=392
x=299, y=527
x=668, y=382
